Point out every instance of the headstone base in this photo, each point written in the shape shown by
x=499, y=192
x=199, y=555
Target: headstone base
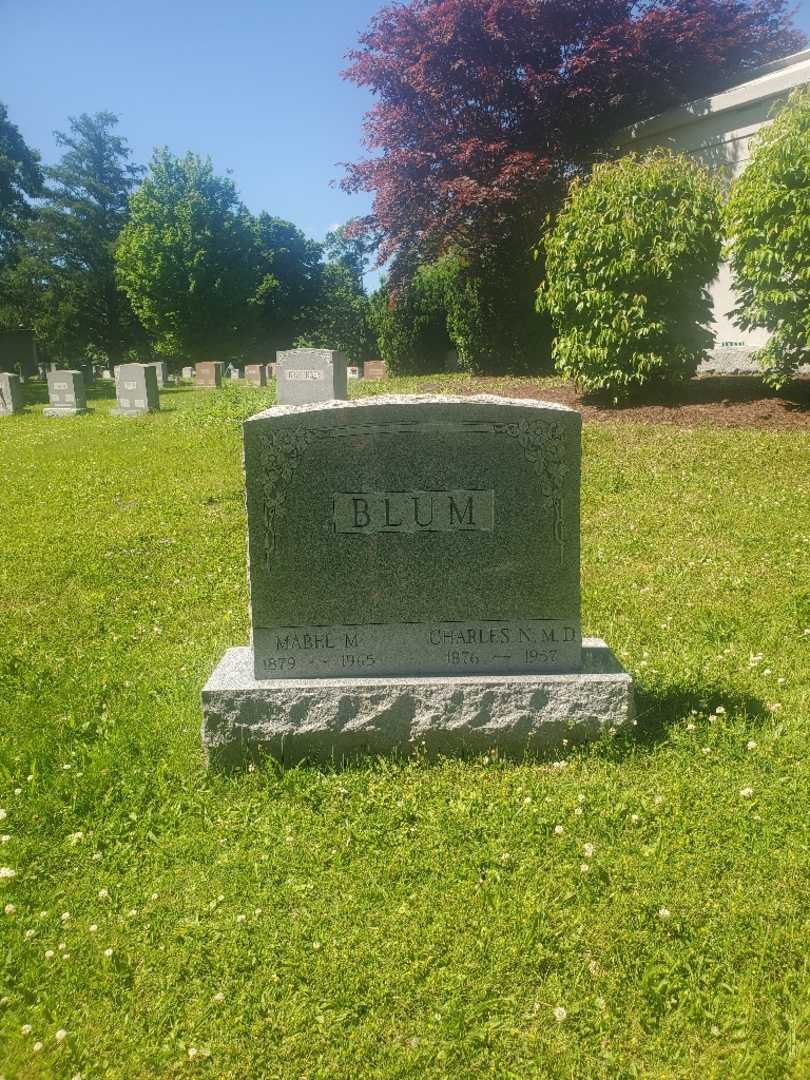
x=335, y=719
x=54, y=410
x=132, y=412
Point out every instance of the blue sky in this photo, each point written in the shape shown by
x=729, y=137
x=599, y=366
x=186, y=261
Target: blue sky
x=254, y=84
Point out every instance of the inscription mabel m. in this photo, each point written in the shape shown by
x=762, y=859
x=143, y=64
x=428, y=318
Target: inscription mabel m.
x=413, y=511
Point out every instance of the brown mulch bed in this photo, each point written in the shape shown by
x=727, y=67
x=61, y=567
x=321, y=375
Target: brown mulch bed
x=726, y=401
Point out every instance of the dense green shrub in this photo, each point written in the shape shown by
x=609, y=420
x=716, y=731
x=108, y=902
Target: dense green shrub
x=628, y=260
x=768, y=228
x=411, y=323
x=491, y=316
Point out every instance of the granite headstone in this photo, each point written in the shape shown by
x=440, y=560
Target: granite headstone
x=309, y=375
x=67, y=395
x=11, y=399
x=374, y=369
x=209, y=374
x=136, y=390
x=462, y=630
x=256, y=374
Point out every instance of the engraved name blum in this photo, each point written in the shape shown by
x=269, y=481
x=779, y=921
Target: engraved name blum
x=413, y=511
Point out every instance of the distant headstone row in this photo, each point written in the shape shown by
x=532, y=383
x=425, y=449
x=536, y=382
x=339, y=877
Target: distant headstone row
x=304, y=376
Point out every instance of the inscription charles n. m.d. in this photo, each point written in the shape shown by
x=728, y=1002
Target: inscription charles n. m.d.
x=414, y=511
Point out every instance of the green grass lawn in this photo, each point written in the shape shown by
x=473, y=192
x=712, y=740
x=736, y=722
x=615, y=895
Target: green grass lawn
x=640, y=908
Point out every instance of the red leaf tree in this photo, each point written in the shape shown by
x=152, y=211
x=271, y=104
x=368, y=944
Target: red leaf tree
x=486, y=107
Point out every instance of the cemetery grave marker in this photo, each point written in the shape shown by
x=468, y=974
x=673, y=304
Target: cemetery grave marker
x=374, y=369
x=67, y=395
x=462, y=632
x=11, y=398
x=209, y=374
x=256, y=375
x=308, y=375
x=136, y=390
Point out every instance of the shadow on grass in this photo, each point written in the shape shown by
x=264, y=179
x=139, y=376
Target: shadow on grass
x=658, y=709
x=710, y=390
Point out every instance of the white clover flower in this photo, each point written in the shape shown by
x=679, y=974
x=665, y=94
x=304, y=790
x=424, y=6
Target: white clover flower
x=60, y=1035
x=587, y=850
x=635, y=819
x=49, y=954
x=218, y=998
x=108, y=953
x=96, y=856
x=781, y=680
x=4, y=839
x=257, y=911
x=241, y=918
x=747, y=792
x=3, y=814
x=766, y=671
x=26, y=1029
x=558, y=830
x=705, y=749
x=6, y=872
x=316, y=945
x=751, y=745
x=9, y=909
x=103, y=894
x=75, y=838
x=132, y=912
x=92, y=928
x=560, y=1013
x=37, y=1047
x=65, y=916
x=192, y=1051
x=61, y=946
x=18, y=791
x=719, y=711
x=584, y=868
x=658, y=800
x=29, y=934
x=691, y=727
x=664, y=913
x=578, y=811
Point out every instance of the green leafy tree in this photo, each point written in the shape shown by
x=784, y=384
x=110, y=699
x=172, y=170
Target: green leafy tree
x=340, y=316
x=187, y=259
x=64, y=282
x=20, y=180
x=628, y=261
x=350, y=245
x=411, y=323
x=768, y=226
x=288, y=269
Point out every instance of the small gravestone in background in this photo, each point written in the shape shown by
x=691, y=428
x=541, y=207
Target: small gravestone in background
x=374, y=369
x=235, y=374
x=462, y=632
x=353, y=371
x=188, y=372
x=107, y=375
x=256, y=375
x=66, y=394
x=136, y=389
x=161, y=371
x=11, y=399
x=209, y=374
x=310, y=375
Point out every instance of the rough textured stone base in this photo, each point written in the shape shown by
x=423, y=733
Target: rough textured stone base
x=334, y=719
x=132, y=412
x=56, y=411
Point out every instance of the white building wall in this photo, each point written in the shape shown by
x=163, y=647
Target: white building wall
x=718, y=132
